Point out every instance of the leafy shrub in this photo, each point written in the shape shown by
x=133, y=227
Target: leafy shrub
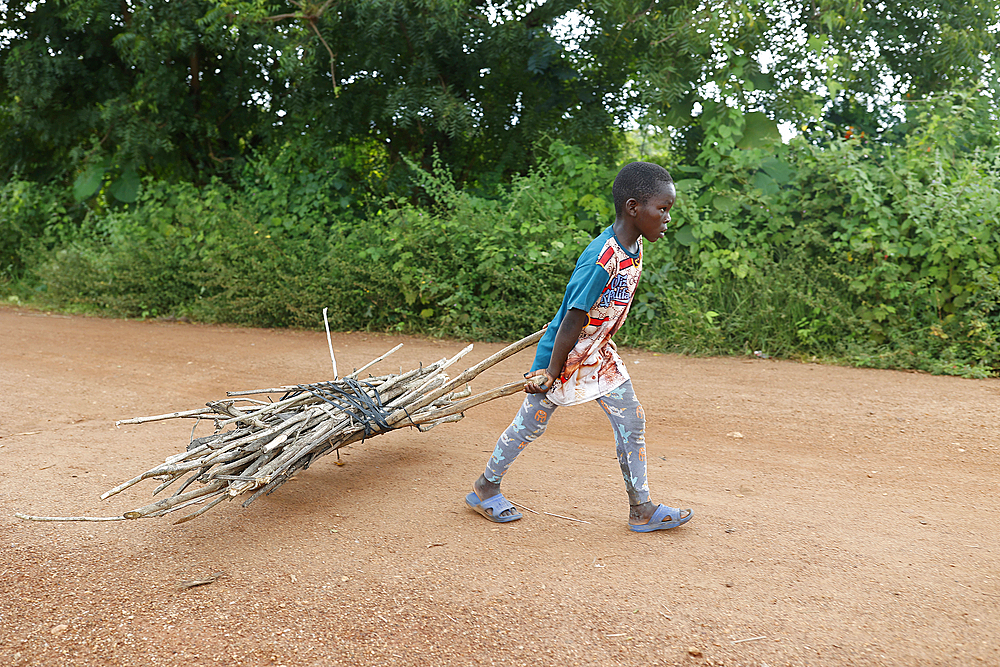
x=471, y=265
x=31, y=215
x=845, y=249
x=879, y=256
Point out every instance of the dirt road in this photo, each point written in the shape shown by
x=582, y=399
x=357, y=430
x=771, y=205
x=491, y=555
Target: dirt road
x=853, y=523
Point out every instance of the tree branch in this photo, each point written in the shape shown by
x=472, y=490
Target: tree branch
x=333, y=65
x=281, y=17
x=311, y=20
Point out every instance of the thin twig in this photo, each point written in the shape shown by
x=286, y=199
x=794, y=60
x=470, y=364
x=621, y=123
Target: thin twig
x=191, y=583
x=169, y=415
x=523, y=507
x=568, y=518
x=749, y=639
x=31, y=517
x=373, y=362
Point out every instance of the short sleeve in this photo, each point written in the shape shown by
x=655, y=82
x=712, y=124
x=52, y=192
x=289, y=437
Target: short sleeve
x=585, y=286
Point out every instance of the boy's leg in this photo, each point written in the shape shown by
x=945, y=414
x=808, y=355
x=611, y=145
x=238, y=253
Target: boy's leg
x=528, y=424
x=629, y=424
x=628, y=421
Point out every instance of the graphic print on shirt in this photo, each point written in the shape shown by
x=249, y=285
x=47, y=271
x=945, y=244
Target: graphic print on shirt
x=593, y=367
x=617, y=292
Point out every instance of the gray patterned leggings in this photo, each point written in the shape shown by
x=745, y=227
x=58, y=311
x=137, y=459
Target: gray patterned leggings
x=628, y=422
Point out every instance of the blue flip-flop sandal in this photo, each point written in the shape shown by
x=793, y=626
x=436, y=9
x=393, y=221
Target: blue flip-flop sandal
x=492, y=507
x=663, y=518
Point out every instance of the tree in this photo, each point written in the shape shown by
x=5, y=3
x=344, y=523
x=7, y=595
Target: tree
x=108, y=89
x=121, y=88
x=848, y=61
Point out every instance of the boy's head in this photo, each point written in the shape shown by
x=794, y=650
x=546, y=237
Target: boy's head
x=639, y=181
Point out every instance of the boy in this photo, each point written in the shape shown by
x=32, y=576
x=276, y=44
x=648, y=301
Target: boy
x=577, y=360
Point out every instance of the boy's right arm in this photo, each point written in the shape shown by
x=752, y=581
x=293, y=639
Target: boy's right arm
x=572, y=324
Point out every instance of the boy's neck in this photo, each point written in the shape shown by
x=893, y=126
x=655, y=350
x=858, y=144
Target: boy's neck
x=627, y=235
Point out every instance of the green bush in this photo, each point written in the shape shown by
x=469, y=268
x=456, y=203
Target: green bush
x=465, y=265
x=882, y=256
x=32, y=217
x=846, y=249
x=475, y=266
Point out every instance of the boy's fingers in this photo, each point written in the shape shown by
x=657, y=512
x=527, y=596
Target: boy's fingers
x=538, y=382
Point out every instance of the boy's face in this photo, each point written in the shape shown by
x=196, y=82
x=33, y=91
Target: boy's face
x=653, y=218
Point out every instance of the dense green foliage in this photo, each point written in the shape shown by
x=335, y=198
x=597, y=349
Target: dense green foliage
x=103, y=92
x=435, y=166
x=883, y=256
x=887, y=256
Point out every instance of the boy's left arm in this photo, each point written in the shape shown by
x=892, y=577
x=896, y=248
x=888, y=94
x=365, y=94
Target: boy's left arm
x=569, y=332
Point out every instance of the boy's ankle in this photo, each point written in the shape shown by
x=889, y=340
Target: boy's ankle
x=484, y=488
x=640, y=513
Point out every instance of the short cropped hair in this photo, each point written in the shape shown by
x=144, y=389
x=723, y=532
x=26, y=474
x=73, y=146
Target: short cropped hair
x=639, y=181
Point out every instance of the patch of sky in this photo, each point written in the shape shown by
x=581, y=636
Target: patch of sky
x=571, y=28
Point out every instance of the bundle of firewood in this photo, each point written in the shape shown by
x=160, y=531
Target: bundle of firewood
x=257, y=445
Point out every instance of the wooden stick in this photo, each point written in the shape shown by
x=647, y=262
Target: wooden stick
x=292, y=387
x=329, y=342
x=462, y=406
x=202, y=510
x=180, y=506
x=523, y=507
x=191, y=583
x=31, y=517
x=173, y=479
x=275, y=408
x=749, y=639
x=172, y=501
x=424, y=427
x=226, y=407
x=409, y=397
x=164, y=469
x=470, y=374
x=373, y=362
x=272, y=441
x=169, y=415
x=405, y=377
x=187, y=454
x=428, y=381
x=266, y=433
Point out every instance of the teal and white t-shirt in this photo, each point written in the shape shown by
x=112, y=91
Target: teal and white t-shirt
x=603, y=284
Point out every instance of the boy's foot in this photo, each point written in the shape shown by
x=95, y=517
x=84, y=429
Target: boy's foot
x=486, y=490
x=648, y=517
x=496, y=508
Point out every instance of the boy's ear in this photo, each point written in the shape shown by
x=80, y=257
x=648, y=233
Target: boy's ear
x=632, y=206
